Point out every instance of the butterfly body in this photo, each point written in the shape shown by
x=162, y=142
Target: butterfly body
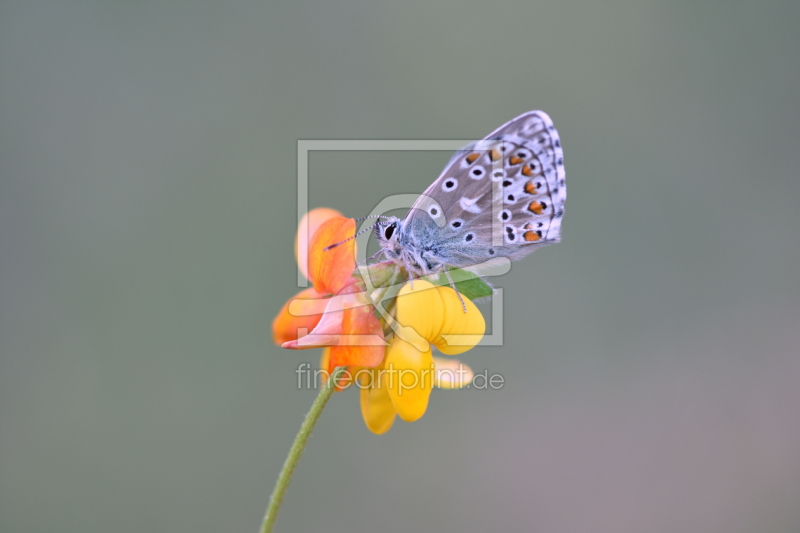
x=500, y=197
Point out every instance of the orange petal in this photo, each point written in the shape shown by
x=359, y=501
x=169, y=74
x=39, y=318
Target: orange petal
x=326, y=333
x=330, y=270
x=326, y=369
x=306, y=312
x=362, y=341
x=360, y=331
x=309, y=224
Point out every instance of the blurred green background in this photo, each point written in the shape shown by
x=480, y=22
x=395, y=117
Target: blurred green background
x=147, y=218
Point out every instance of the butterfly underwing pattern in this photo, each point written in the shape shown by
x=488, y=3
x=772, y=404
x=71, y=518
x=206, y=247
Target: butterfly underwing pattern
x=502, y=196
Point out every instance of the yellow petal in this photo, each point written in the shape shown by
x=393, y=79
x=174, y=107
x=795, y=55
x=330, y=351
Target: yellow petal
x=419, y=306
x=452, y=373
x=408, y=374
x=323, y=362
x=460, y=331
x=376, y=405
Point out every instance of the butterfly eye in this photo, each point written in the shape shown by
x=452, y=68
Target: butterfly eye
x=389, y=231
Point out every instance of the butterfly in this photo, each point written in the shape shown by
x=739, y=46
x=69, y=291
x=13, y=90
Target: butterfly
x=502, y=196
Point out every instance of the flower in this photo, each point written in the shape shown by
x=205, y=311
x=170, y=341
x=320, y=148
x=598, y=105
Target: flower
x=402, y=384
x=351, y=319
x=335, y=312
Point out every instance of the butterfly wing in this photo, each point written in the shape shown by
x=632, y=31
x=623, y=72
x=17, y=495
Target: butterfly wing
x=500, y=197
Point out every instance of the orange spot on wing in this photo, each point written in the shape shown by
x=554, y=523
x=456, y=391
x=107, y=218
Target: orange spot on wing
x=531, y=236
x=530, y=188
x=471, y=158
x=514, y=160
x=536, y=207
x=527, y=170
x=494, y=155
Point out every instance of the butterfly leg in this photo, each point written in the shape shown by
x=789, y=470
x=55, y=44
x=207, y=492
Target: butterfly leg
x=452, y=284
x=409, y=270
x=366, y=261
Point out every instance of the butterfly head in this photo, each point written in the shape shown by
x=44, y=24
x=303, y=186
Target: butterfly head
x=387, y=233
x=407, y=247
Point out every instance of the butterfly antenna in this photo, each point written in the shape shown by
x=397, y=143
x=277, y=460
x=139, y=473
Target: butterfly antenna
x=452, y=284
x=370, y=216
x=352, y=237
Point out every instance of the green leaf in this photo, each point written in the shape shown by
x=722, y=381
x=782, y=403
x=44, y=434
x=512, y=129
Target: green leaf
x=467, y=283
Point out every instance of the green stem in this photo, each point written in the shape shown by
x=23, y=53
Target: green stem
x=297, y=448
